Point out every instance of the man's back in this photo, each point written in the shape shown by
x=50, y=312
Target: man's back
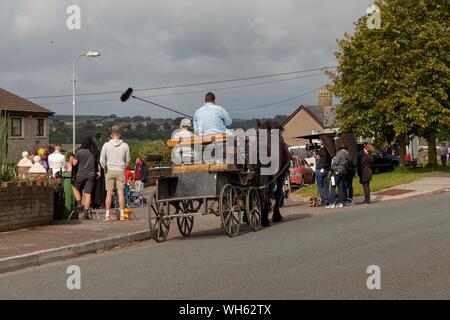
x=211, y=119
x=115, y=155
x=57, y=162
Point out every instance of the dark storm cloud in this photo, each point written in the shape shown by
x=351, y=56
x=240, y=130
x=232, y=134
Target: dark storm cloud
x=152, y=43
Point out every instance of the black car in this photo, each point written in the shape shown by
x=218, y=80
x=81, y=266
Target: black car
x=382, y=162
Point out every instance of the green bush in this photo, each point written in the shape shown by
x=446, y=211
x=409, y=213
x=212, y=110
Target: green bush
x=141, y=148
x=8, y=173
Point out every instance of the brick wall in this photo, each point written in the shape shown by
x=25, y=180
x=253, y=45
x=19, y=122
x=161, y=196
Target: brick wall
x=25, y=204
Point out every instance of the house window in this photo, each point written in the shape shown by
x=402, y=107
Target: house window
x=40, y=128
x=16, y=127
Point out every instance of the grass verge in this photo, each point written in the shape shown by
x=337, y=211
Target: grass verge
x=381, y=181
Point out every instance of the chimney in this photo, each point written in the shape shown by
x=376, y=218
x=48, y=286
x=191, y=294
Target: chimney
x=325, y=97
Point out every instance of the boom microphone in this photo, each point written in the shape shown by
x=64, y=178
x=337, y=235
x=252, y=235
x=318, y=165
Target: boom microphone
x=126, y=95
x=129, y=93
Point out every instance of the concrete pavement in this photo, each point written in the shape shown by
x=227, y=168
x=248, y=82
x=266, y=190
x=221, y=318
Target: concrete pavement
x=307, y=256
x=428, y=185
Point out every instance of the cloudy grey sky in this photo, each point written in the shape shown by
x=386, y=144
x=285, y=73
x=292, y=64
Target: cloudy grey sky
x=151, y=43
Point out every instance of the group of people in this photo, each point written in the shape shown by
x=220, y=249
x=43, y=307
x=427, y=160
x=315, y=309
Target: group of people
x=340, y=171
x=45, y=160
x=93, y=171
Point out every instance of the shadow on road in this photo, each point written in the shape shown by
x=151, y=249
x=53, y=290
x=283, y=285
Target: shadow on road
x=244, y=228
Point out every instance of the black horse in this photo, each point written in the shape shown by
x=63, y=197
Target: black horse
x=275, y=181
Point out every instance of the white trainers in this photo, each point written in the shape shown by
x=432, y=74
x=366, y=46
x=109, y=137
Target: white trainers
x=339, y=205
x=330, y=206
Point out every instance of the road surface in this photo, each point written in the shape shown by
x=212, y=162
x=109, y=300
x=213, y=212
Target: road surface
x=305, y=257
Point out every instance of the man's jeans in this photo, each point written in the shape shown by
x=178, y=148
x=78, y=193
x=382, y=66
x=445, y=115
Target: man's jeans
x=348, y=187
x=444, y=160
x=339, y=183
x=322, y=185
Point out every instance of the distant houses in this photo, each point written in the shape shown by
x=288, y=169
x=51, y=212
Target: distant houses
x=27, y=124
x=310, y=119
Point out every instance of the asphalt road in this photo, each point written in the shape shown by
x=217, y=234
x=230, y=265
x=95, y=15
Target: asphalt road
x=305, y=257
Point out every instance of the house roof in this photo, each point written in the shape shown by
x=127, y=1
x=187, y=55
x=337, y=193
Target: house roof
x=13, y=103
x=316, y=112
x=324, y=116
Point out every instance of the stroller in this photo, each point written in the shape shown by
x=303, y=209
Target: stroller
x=133, y=198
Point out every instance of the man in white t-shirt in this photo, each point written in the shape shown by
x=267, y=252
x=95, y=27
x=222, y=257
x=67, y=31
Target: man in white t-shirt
x=57, y=161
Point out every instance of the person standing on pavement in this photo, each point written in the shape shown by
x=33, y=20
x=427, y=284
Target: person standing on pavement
x=339, y=170
x=57, y=160
x=365, y=170
x=444, y=153
x=114, y=158
x=323, y=159
x=140, y=175
x=348, y=181
x=85, y=175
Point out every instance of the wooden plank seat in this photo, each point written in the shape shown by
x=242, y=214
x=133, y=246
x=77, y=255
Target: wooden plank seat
x=208, y=165
x=206, y=139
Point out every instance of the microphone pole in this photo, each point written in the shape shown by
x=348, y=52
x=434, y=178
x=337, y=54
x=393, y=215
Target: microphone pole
x=129, y=93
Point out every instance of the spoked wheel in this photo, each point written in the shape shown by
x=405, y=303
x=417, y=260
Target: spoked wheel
x=253, y=209
x=185, y=224
x=159, y=225
x=229, y=210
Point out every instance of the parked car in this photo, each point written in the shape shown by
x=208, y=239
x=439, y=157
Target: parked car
x=382, y=162
x=300, y=172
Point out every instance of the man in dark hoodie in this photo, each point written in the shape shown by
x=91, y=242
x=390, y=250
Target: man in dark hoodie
x=339, y=171
x=114, y=158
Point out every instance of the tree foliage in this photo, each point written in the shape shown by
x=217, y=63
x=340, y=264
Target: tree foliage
x=395, y=81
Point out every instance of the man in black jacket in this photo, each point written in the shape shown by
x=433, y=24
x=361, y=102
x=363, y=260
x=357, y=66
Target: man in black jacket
x=323, y=160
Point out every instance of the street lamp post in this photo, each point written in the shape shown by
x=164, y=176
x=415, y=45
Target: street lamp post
x=92, y=54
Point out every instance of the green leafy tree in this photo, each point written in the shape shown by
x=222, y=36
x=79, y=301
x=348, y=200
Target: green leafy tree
x=141, y=148
x=394, y=81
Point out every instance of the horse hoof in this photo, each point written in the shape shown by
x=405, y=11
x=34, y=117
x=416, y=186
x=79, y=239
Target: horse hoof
x=265, y=223
x=277, y=219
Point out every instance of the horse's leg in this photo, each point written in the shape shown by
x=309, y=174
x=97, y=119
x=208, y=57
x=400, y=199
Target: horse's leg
x=276, y=217
x=265, y=208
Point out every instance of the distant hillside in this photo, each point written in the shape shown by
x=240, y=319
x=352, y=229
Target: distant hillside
x=133, y=128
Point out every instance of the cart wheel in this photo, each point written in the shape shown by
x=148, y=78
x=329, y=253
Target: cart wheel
x=185, y=224
x=229, y=210
x=195, y=205
x=253, y=209
x=159, y=226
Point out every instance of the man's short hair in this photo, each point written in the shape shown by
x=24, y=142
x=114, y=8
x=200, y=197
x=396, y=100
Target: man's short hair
x=210, y=97
x=115, y=131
